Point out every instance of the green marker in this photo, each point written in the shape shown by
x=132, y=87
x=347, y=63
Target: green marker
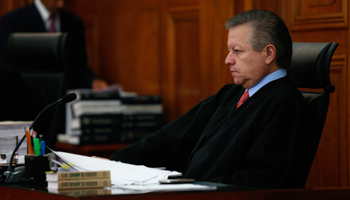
x=37, y=146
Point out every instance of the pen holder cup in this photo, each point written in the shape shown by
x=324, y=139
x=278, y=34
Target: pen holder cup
x=35, y=168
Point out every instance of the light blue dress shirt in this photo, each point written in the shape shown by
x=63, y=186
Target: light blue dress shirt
x=267, y=79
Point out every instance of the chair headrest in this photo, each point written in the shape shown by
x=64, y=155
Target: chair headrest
x=310, y=65
x=37, y=51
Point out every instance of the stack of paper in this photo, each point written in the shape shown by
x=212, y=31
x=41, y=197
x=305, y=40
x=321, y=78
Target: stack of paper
x=15, y=128
x=164, y=187
x=121, y=173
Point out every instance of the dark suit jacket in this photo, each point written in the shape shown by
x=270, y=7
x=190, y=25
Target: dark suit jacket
x=28, y=20
x=16, y=102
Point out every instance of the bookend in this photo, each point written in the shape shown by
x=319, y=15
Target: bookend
x=35, y=168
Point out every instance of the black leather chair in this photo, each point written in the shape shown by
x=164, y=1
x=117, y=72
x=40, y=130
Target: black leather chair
x=37, y=51
x=310, y=69
x=41, y=60
x=46, y=88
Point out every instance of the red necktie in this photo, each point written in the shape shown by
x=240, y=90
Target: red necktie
x=52, y=28
x=243, y=98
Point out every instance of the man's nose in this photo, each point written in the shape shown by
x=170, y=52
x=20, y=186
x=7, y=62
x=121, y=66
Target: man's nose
x=229, y=59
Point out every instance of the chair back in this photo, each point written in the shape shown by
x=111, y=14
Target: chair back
x=37, y=51
x=46, y=88
x=310, y=69
x=41, y=60
x=310, y=65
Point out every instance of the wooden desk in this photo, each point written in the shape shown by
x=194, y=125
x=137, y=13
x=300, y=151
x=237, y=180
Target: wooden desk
x=101, y=150
x=8, y=193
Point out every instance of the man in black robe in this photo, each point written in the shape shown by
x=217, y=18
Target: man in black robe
x=260, y=143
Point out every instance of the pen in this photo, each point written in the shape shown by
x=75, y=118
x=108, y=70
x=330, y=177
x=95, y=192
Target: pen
x=34, y=134
x=37, y=149
x=42, y=147
x=29, y=141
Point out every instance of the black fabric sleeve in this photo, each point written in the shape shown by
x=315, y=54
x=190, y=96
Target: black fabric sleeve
x=171, y=146
x=6, y=27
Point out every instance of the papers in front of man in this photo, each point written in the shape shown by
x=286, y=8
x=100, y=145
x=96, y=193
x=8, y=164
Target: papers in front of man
x=121, y=173
x=126, y=178
x=163, y=187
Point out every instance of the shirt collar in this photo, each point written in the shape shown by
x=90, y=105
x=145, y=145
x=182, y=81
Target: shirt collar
x=267, y=79
x=45, y=14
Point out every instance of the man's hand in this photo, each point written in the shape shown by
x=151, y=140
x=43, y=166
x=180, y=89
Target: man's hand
x=100, y=158
x=99, y=84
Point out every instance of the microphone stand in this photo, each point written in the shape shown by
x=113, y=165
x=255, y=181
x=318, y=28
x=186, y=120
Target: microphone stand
x=14, y=176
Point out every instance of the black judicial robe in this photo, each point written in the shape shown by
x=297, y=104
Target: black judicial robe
x=258, y=145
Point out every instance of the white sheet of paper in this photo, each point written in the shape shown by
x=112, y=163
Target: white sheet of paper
x=166, y=187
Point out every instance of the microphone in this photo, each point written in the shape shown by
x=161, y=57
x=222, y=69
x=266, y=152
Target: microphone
x=66, y=99
x=10, y=174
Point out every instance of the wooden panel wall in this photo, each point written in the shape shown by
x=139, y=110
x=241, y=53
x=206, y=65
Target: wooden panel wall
x=9, y=5
x=159, y=47
x=190, y=72
x=177, y=48
x=123, y=41
x=180, y=80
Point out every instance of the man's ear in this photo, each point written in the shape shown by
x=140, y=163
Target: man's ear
x=270, y=53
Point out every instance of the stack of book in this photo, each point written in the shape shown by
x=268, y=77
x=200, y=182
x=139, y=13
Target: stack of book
x=95, y=117
x=142, y=115
x=111, y=117
x=78, y=180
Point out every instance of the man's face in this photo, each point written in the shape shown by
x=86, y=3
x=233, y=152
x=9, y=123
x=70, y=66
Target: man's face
x=247, y=66
x=53, y=5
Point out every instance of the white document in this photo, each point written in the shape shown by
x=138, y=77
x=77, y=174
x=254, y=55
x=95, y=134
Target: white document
x=165, y=187
x=121, y=173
